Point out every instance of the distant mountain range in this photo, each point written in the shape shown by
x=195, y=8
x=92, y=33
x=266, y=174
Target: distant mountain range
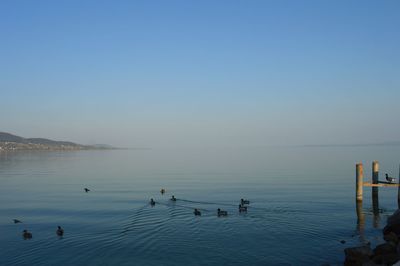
x=12, y=142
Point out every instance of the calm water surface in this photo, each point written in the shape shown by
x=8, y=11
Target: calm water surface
x=302, y=205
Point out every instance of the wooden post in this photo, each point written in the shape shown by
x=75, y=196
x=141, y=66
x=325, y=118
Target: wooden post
x=359, y=197
x=359, y=181
x=375, y=172
x=375, y=198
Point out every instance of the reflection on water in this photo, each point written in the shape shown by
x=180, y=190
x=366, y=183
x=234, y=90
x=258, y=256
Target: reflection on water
x=375, y=207
x=302, y=206
x=360, y=220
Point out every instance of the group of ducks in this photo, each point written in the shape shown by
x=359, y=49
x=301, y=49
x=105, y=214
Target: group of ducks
x=152, y=202
x=28, y=235
x=242, y=206
x=60, y=232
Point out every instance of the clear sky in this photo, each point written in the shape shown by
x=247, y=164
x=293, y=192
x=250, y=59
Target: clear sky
x=198, y=73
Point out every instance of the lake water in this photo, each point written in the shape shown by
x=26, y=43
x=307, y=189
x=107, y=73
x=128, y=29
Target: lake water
x=302, y=205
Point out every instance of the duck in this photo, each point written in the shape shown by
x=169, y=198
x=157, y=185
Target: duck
x=16, y=221
x=197, y=212
x=243, y=201
x=222, y=213
x=173, y=198
x=162, y=191
x=152, y=202
x=242, y=208
x=26, y=234
x=60, y=231
x=86, y=190
x=390, y=179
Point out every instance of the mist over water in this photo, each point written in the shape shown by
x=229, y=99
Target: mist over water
x=302, y=203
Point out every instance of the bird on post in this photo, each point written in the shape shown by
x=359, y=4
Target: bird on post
x=390, y=179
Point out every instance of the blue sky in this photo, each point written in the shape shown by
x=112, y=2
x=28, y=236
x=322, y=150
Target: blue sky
x=182, y=73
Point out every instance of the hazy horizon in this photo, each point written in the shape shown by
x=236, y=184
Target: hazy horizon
x=162, y=74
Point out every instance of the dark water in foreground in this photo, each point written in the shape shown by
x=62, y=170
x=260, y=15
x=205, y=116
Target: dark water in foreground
x=302, y=205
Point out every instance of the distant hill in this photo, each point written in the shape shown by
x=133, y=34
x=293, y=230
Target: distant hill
x=12, y=142
x=12, y=138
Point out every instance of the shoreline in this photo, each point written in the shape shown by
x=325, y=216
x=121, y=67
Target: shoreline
x=15, y=146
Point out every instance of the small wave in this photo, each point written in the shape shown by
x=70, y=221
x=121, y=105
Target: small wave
x=205, y=202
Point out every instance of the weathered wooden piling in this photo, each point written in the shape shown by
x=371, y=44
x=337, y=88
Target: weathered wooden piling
x=375, y=196
x=359, y=181
x=375, y=172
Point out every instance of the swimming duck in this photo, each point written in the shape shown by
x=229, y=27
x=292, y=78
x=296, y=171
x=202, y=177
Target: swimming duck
x=242, y=201
x=242, y=208
x=222, y=213
x=60, y=231
x=390, y=179
x=162, y=191
x=173, y=198
x=197, y=212
x=26, y=234
x=16, y=221
x=152, y=202
x=86, y=190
